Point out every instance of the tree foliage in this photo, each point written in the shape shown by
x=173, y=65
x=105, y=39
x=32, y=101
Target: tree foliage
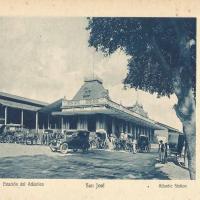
x=160, y=49
x=162, y=60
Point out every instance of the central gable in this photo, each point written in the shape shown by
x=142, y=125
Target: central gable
x=91, y=89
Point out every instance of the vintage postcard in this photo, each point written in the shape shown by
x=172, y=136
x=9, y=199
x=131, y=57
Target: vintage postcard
x=98, y=100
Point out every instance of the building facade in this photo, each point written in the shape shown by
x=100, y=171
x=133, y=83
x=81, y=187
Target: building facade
x=92, y=109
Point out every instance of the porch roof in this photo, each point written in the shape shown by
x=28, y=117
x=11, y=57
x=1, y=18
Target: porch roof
x=17, y=105
x=22, y=100
x=104, y=106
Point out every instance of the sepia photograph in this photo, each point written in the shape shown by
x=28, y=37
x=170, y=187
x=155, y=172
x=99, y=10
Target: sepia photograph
x=98, y=98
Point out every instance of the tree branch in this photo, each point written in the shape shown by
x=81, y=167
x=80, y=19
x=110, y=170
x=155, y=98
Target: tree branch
x=159, y=54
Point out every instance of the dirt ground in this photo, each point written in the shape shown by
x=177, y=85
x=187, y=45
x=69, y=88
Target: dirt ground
x=173, y=171
x=37, y=161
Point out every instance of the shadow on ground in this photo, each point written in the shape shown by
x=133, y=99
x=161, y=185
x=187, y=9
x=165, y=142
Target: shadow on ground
x=93, y=165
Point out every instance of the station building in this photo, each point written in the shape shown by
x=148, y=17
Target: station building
x=19, y=110
x=91, y=109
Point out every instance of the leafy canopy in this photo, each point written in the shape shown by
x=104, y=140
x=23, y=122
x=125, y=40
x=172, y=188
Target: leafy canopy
x=159, y=49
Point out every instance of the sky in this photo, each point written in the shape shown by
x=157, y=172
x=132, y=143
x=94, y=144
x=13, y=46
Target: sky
x=47, y=58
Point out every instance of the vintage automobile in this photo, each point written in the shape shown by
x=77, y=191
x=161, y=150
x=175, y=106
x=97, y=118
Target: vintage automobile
x=143, y=144
x=72, y=139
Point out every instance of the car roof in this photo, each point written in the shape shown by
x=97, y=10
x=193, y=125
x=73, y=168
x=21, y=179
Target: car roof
x=76, y=130
x=14, y=125
x=143, y=136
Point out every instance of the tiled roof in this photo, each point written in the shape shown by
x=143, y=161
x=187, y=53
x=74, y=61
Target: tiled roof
x=91, y=89
x=55, y=106
x=138, y=108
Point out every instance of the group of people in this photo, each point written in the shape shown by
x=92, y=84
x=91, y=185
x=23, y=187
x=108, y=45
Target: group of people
x=122, y=143
x=163, y=151
x=46, y=138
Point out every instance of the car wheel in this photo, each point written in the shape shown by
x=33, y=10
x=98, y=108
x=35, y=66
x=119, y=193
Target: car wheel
x=85, y=150
x=53, y=149
x=75, y=150
x=64, y=148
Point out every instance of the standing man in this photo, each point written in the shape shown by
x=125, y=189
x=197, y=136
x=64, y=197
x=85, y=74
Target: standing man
x=134, y=145
x=161, y=151
x=166, y=152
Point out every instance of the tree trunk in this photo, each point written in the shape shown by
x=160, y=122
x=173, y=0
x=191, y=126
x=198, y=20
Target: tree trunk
x=185, y=110
x=190, y=133
x=185, y=92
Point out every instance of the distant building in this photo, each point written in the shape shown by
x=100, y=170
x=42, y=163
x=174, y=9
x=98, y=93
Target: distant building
x=169, y=133
x=138, y=108
x=91, y=109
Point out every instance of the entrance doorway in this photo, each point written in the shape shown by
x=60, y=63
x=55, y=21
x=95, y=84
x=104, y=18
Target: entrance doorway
x=73, y=122
x=92, y=123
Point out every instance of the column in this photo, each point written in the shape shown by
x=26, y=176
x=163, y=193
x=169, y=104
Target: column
x=36, y=121
x=139, y=130
x=97, y=123
x=136, y=131
x=113, y=125
x=152, y=135
x=86, y=122
x=43, y=128
x=22, y=117
x=131, y=129
x=145, y=132
x=64, y=124
x=67, y=124
x=126, y=127
x=150, y=139
x=48, y=127
x=61, y=124
x=78, y=122
x=5, y=115
x=104, y=122
x=121, y=127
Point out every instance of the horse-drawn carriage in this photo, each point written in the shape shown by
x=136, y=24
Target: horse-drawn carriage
x=143, y=144
x=99, y=139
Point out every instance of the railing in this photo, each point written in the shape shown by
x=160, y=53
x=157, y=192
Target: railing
x=83, y=102
x=124, y=109
x=69, y=104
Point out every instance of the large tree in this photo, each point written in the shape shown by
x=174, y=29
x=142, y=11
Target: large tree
x=162, y=60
